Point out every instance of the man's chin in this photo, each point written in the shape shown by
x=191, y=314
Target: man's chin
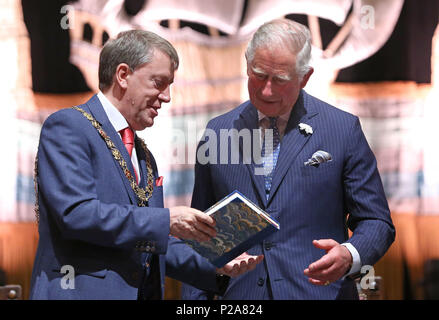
x=149, y=123
x=142, y=125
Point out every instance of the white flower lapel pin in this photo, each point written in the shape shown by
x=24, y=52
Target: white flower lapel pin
x=318, y=157
x=305, y=128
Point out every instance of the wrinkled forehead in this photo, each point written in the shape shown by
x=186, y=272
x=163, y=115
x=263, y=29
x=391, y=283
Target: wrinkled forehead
x=274, y=58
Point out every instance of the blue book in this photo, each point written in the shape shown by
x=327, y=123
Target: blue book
x=240, y=224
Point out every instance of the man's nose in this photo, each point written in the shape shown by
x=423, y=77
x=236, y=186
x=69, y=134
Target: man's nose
x=165, y=95
x=267, y=89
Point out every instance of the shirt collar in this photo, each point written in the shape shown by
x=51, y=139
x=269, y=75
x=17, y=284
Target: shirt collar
x=284, y=117
x=116, y=118
x=281, y=121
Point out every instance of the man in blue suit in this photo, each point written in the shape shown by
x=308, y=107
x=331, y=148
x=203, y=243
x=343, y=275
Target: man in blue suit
x=103, y=231
x=314, y=200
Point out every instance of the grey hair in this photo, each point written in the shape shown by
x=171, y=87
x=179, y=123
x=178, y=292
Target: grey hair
x=133, y=47
x=283, y=33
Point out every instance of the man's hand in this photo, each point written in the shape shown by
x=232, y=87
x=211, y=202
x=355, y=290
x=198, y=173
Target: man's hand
x=240, y=265
x=191, y=224
x=332, y=266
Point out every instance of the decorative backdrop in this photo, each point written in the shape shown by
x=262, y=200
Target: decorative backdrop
x=375, y=59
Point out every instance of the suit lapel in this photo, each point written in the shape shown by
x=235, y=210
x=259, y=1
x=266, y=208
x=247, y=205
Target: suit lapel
x=293, y=140
x=248, y=120
x=156, y=199
x=99, y=114
x=141, y=157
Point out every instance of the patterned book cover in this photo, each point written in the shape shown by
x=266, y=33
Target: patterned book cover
x=240, y=224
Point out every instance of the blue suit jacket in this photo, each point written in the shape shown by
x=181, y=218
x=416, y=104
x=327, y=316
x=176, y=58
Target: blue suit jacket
x=309, y=202
x=89, y=218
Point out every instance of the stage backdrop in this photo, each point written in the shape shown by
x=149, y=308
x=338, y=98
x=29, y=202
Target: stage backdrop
x=375, y=59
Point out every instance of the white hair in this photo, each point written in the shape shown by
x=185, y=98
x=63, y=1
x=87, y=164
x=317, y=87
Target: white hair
x=283, y=33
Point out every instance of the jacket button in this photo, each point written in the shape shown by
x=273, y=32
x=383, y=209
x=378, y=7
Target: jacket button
x=261, y=282
x=268, y=246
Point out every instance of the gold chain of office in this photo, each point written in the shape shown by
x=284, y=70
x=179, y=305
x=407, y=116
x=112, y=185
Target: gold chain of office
x=143, y=195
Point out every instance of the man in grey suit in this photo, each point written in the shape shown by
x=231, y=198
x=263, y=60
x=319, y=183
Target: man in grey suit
x=315, y=197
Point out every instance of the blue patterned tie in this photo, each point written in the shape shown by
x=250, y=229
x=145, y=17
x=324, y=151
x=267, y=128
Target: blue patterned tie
x=270, y=153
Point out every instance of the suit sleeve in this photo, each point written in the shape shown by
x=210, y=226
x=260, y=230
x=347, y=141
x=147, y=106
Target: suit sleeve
x=186, y=265
x=67, y=188
x=365, y=200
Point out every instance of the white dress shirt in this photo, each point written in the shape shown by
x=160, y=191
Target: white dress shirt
x=119, y=123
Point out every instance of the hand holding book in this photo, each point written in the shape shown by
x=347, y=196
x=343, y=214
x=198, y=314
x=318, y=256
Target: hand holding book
x=191, y=224
x=240, y=224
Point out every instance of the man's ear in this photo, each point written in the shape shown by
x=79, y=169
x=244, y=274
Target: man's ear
x=122, y=74
x=306, y=77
